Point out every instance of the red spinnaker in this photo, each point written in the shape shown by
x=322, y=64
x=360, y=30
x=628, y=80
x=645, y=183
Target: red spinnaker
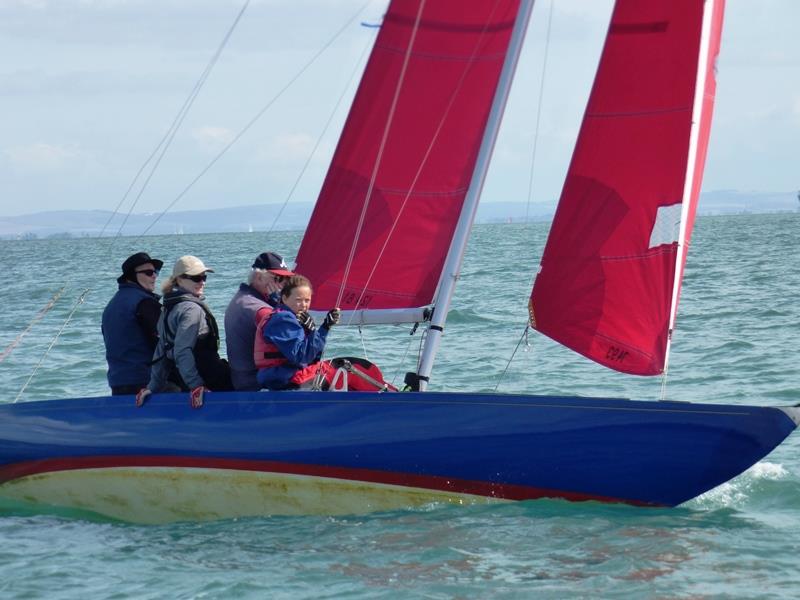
x=606, y=286
x=431, y=140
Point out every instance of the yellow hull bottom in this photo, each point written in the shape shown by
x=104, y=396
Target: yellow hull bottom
x=152, y=495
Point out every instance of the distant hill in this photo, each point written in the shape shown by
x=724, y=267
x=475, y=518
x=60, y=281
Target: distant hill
x=91, y=223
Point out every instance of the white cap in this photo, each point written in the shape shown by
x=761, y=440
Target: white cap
x=189, y=265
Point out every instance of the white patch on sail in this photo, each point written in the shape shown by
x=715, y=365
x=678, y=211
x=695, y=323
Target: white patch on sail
x=667, y=227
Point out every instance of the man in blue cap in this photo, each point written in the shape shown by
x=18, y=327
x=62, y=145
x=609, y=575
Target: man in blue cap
x=129, y=324
x=247, y=307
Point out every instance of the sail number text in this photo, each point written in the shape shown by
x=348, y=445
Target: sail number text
x=616, y=354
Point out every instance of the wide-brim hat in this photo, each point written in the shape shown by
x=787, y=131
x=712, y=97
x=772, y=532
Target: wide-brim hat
x=134, y=261
x=189, y=265
x=273, y=263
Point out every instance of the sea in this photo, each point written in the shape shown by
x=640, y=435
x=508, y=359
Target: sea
x=736, y=342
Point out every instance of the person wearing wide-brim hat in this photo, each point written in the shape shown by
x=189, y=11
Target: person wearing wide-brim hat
x=187, y=355
x=251, y=302
x=129, y=324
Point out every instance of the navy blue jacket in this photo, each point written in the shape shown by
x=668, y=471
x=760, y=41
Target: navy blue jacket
x=130, y=335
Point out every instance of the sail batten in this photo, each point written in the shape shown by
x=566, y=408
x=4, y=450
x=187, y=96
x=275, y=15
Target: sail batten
x=609, y=279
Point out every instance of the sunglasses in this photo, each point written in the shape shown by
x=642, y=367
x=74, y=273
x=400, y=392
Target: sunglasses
x=196, y=278
x=148, y=272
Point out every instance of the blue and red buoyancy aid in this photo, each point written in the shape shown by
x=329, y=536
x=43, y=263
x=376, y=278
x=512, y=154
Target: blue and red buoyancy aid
x=266, y=354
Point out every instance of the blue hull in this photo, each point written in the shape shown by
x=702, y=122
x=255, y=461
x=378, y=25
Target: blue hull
x=329, y=449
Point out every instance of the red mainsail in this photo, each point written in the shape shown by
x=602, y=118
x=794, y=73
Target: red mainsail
x=406, y=156
x=607, y=283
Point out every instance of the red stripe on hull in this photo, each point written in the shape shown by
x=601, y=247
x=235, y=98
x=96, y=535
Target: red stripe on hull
x=502, y=491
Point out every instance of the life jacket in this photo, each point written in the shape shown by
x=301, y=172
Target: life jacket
x=214, y=370
x=266, y=354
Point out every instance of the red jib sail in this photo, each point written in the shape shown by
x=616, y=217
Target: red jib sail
x=607, y=284
x=405, y=158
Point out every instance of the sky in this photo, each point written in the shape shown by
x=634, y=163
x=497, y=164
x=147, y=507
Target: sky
x=88, y=88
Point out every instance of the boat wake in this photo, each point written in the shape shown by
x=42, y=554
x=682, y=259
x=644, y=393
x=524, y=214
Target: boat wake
x=763, y=482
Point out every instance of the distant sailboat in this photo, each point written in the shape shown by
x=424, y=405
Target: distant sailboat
x=386, y=242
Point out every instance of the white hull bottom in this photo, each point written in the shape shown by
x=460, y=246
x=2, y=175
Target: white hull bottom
x=152, y=495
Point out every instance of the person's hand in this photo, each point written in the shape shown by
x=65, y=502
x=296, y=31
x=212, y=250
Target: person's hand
x=196, y=396
x=141, y=397
x=332, y=318
x=274, y=283
x=307, y=321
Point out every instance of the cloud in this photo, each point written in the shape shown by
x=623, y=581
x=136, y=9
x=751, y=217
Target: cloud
x=288, y=146
x=212, y=138
x=40, y=156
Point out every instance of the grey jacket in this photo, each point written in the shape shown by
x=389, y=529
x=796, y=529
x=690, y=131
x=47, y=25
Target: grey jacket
x=186, y=324
x=240, y=333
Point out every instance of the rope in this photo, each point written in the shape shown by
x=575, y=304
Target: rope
x=166, y=140
x=39, y=364
x=36, y=318
x=253, y=121
x=381, y=148
x=524, y=336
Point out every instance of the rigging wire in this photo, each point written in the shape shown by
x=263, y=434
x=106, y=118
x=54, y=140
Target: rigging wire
x=253, y=121
x=528, y=344
x=363, y=341
x=169, y=136
x=664, y=384
x=405, y=354
x=38, y=317
x=321, y=135
x=52, y=343
x=162, y=146
x=538, y=114
x=526, y=234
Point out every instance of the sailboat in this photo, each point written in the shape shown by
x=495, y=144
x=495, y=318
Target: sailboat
x=385, y=243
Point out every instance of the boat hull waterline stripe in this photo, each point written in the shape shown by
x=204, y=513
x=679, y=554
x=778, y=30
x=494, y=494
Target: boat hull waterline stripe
x=87, y=482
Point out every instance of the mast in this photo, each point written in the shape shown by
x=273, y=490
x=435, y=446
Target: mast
x=455, y=254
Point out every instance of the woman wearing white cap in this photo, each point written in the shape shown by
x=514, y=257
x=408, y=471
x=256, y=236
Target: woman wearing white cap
x=187, y=355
